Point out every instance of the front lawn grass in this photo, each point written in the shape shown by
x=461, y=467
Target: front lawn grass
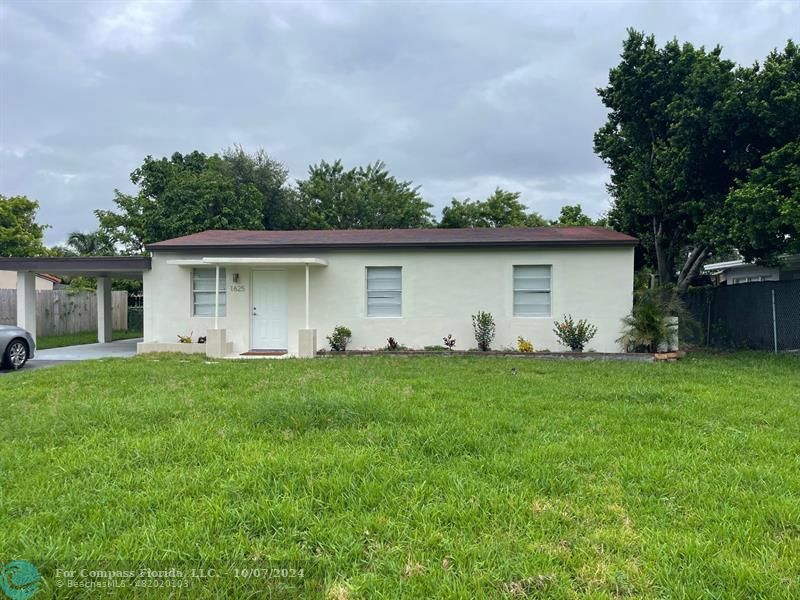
x=428, y=477
x=83, y=337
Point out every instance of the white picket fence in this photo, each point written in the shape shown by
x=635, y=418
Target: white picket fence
x=64, y=311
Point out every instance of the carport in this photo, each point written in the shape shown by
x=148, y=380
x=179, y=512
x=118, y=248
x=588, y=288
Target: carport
x=102, y=268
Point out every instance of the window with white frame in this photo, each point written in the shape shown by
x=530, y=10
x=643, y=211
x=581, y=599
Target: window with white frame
x=384, y=291
x=204, y=291
x=532, y=290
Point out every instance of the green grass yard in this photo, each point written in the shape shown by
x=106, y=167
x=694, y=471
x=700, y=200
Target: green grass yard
x=388, y=477
x=84, y=337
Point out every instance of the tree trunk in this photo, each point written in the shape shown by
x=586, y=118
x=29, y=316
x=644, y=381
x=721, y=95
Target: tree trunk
x=664, y=275
x=691, y=267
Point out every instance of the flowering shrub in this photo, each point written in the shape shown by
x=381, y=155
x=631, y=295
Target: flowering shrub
x=483, y=325
x=524, y=345
x=339, y=339
x=572, y=334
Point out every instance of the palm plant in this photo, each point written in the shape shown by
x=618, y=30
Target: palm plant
x=647, y=326
x=90, y=243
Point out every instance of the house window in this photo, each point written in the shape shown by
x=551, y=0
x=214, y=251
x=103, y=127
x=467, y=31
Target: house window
x=384, y=291
x=532, y=290
x=203, y=292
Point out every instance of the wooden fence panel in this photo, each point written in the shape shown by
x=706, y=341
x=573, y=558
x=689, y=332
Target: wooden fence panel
x=8, y=307
x=62, y=311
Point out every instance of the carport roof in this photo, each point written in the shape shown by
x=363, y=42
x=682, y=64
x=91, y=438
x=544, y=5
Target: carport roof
x=122, y=267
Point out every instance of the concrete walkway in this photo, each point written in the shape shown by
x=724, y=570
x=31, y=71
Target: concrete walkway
x=60, y=356
x=118, y=349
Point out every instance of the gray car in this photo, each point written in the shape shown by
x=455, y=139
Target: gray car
x=16, y=346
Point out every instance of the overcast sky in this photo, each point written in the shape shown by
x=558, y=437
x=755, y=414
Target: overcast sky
x=459, y=97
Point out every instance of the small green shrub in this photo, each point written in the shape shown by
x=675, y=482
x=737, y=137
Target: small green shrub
x=524, y=345
x=435, y=348
x=339, y=339
x=483, y=325
x=574, y=335
x=392, y=345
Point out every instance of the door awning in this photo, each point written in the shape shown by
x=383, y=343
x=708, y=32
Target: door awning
x=250, y=262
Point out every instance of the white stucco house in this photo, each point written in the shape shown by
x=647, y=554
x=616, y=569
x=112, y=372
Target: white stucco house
x=284, y=291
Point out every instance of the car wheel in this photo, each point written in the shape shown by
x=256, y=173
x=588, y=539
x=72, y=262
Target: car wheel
x=16, y=354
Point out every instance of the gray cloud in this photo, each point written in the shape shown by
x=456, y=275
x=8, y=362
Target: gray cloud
x=458, y=97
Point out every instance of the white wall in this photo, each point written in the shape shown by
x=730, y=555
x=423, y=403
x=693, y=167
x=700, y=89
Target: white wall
x=441, y=290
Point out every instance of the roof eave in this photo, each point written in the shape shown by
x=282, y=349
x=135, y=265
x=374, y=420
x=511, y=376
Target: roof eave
x=159, y=247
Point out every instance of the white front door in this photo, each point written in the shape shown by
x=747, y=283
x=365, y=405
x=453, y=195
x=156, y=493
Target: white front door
x=270, y=310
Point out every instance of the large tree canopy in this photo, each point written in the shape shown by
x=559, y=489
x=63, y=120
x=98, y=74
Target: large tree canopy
x=501, y=209
x=763, y=214
x=360, y=198
x=20, y=234
x=280, y=209
x=685, y=131
x=181, y=195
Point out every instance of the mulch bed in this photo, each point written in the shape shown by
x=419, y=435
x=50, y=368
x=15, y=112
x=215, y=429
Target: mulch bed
x=600, y=356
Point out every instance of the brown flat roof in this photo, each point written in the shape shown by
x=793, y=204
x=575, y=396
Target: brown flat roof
x=396, y=238
x=123, y=267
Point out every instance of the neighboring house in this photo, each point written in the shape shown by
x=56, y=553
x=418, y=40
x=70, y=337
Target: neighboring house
x=735, y=272
x=285, y=291
x=44, y=281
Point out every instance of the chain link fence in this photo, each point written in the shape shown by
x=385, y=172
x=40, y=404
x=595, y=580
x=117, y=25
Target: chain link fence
x=756, y=316
x=136, y=312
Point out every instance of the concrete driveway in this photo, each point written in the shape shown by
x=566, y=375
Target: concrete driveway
x=57, y=356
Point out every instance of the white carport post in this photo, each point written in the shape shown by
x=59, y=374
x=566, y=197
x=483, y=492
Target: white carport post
x=26, y=301
x=104, y=313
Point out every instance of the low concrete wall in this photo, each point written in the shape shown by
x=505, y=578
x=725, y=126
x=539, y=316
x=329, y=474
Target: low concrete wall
x=307, y=343
x=217, y=344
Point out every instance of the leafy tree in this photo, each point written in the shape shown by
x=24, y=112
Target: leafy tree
x=179, y=196
x=281, y=209
x=667, y=159
x=764, y=212
x=685, y=128
x=573, y=215
x=20, y=234
x=501, y=209
x=462, y=214
x=360, y=198
x=761, y=216
x=60, y=250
